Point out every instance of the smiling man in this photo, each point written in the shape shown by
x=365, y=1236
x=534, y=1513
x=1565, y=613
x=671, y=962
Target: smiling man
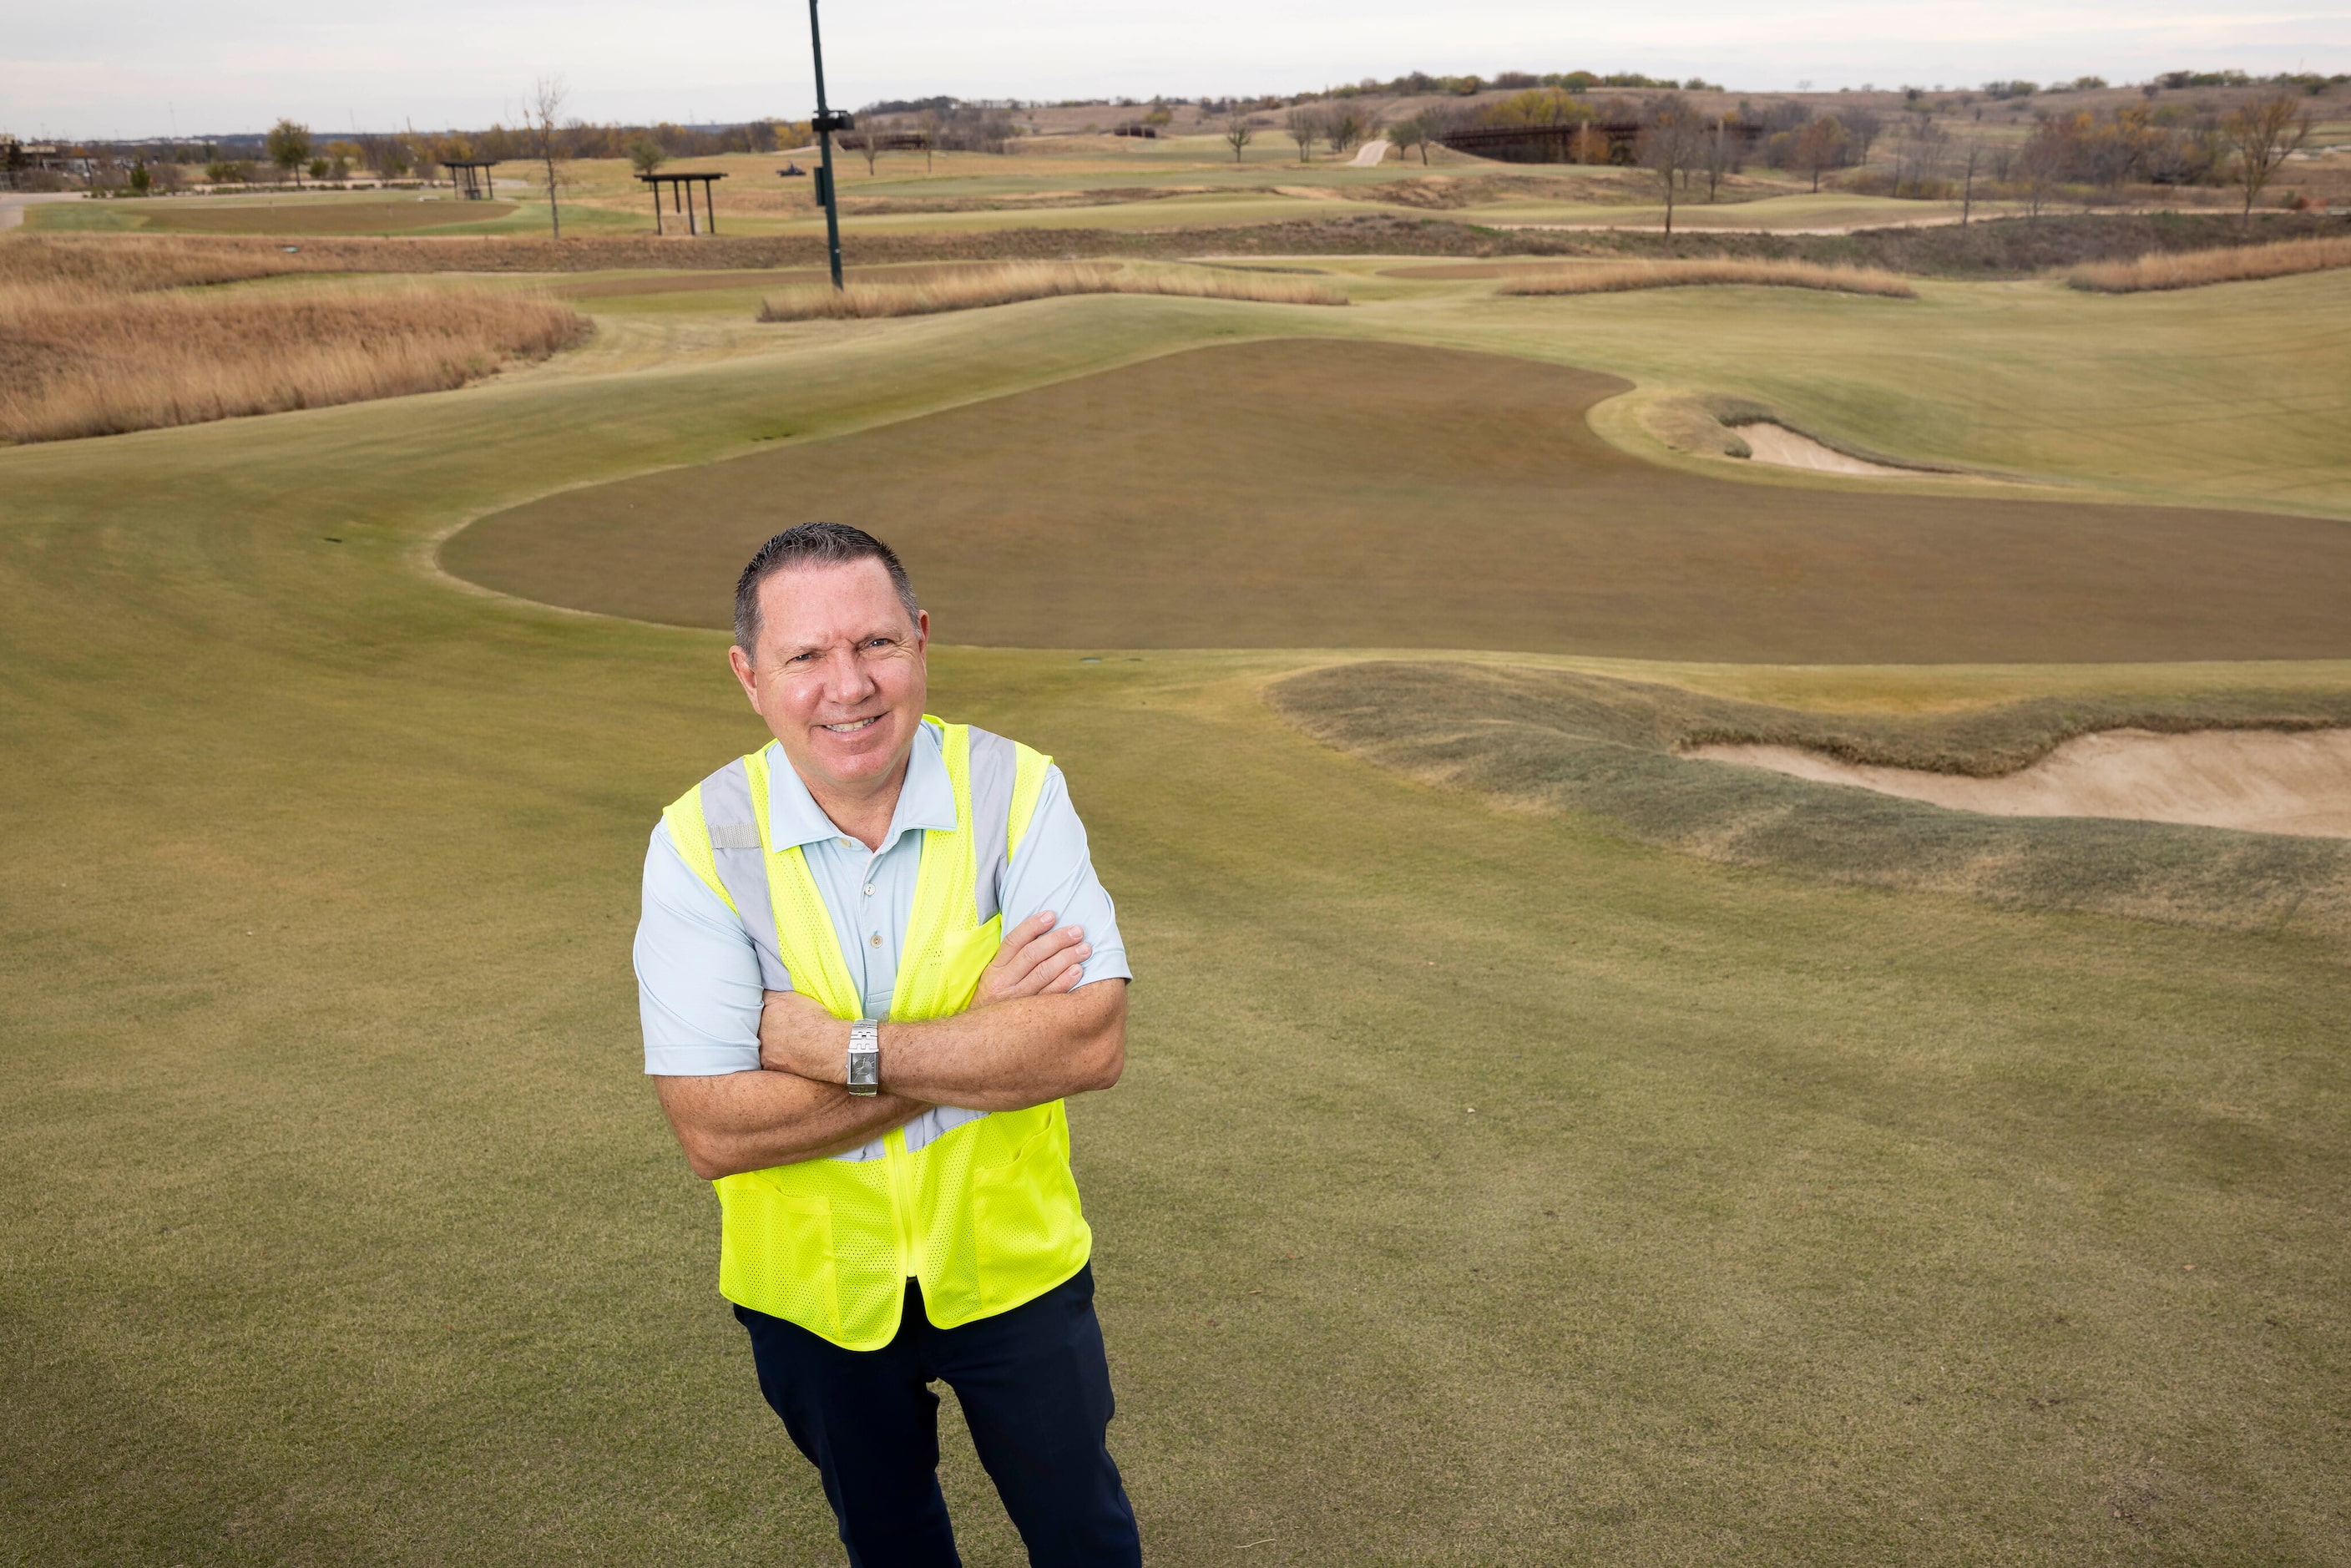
x=874, y=958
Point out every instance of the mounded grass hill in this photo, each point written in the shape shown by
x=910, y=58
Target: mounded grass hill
x=1553, y=739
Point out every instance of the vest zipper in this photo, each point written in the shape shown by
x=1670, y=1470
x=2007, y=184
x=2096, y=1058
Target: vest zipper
x=894, y=1160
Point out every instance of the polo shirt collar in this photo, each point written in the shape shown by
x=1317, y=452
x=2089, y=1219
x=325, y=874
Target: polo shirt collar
x=927, y=799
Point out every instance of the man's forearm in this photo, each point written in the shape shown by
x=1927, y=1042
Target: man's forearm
x=737, y=1122
x=1004, y=1057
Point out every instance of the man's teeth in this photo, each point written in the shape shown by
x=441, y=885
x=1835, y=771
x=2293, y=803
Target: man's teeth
x=854, y=726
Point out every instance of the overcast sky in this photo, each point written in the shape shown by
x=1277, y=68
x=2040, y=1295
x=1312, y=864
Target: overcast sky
x=148, y=68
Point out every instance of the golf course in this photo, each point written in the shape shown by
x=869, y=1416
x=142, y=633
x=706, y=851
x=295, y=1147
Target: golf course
x=1536, y=1145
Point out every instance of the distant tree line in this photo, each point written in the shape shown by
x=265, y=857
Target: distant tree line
x=949, y=124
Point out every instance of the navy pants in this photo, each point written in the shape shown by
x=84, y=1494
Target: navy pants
x=1035, y=1390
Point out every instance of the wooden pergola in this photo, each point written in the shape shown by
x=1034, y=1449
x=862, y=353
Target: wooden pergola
x=471, y=176
x=681, y=198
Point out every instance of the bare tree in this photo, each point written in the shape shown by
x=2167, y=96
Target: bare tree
x=1967, y=192
x=1668, y=144
x=1305, y=127
x=2038, y=165
x=542, y=115
x=1923, y=144
x=2263, y=134
x=1819, y=147
x=1238, y=132
x=1718, y=151
x=1345, y=126
x=1863, y=127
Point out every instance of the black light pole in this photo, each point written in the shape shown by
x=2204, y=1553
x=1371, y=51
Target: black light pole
x=826, y=122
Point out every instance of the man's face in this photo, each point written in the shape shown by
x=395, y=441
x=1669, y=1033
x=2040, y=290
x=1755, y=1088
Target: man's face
x=840, y=674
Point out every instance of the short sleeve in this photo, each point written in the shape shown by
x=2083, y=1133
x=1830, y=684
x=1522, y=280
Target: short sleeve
x=1053, y=870
x=698, y=987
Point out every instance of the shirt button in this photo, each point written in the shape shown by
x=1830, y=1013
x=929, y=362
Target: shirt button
x=869, y=890
x=877, y=939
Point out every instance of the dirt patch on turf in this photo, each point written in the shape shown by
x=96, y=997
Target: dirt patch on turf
x=1550, y=740
x=1310, y=493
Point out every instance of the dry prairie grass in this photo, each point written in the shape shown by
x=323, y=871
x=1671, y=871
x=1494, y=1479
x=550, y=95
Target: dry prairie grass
x=979, y=286
x=1613, y=278
x=2195, y=268
x=83, y=359
x=108, y=261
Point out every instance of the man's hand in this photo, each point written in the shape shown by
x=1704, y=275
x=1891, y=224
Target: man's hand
x=1035, y=961
x=800, y=1037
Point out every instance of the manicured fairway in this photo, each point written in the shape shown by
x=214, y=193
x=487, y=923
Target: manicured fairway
x=1485, y=1188
x=1308, y=493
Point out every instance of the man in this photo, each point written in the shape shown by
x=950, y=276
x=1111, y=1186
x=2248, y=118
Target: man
x=861, y=1017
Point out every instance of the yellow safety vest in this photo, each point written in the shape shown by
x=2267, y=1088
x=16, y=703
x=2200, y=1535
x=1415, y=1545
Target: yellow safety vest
x=986, y=1213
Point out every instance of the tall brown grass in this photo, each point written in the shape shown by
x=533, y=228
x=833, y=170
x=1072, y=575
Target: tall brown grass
x=81, y=358
x=974, y=287
x=2195, y=268
x=1615, y=276
x=114, y=261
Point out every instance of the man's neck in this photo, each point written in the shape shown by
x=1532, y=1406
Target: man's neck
x=864, y=817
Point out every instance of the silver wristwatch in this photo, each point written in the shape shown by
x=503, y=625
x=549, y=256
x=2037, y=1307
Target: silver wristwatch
x=864, y=1057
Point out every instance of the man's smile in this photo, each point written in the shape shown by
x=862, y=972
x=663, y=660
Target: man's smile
x=851, y=726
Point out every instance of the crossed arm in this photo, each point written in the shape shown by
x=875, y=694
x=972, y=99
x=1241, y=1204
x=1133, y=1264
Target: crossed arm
x=1029, y=1036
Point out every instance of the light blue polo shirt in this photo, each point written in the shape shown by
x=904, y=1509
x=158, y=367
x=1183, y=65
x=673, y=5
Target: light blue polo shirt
x=699, y=988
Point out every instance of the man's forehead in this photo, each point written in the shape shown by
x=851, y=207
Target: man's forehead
x=821, y=587
x=828, y=601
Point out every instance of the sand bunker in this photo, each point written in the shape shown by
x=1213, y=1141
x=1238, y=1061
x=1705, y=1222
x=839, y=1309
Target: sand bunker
x=1783, y=447
x=2262, y=780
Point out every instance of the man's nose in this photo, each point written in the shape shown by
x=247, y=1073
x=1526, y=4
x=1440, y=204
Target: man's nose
x=846, y=679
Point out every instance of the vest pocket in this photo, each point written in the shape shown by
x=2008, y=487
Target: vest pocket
x=1029, y=1232
x=776, y=1252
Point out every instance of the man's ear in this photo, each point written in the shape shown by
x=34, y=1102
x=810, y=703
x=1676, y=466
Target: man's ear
x=746, y=673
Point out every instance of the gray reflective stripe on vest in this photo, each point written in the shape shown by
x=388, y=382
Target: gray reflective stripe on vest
x=995, y=766
x=742, y=865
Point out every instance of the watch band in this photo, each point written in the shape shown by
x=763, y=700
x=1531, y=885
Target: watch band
x=864, y=1057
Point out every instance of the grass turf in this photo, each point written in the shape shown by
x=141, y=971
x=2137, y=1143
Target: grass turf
x=1791, y=1224
x=1394, y=495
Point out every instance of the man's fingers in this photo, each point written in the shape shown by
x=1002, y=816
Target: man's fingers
x=1044, y=948
x=1008, y=957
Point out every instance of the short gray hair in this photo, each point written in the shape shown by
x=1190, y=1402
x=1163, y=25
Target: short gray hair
x=812, y=544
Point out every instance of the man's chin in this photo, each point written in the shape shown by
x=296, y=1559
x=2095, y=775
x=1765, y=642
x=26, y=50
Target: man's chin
x=860, y=756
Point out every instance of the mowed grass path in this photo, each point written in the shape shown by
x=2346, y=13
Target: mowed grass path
x=1347, y=494
x=1789, y=1225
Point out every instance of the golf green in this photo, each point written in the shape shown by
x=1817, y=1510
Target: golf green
x=1300, y=493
